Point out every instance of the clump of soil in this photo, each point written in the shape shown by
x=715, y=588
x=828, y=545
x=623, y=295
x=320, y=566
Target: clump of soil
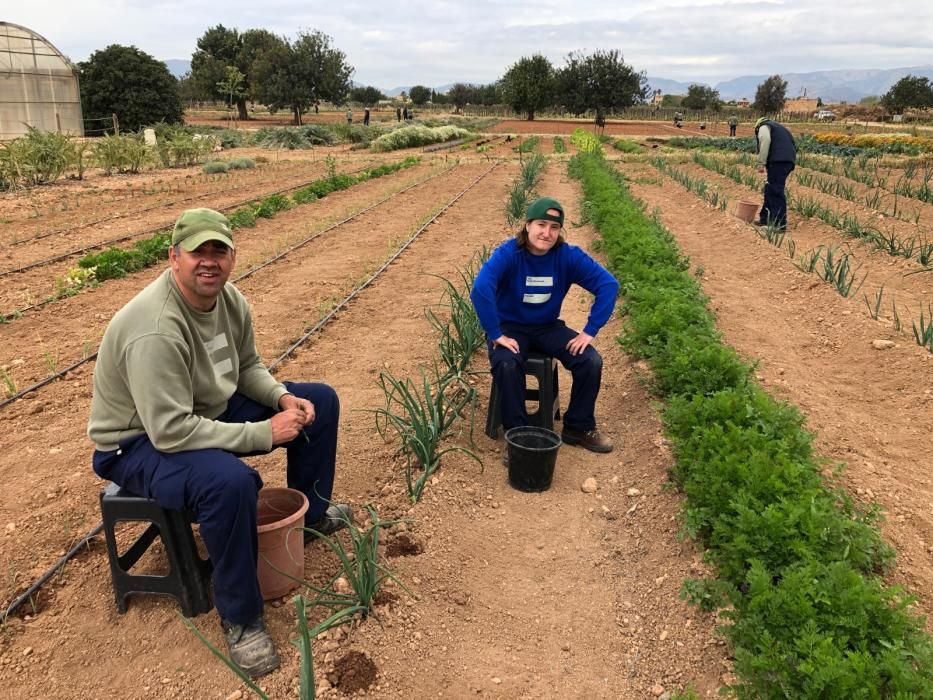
x=404, y=545
x=354, y=671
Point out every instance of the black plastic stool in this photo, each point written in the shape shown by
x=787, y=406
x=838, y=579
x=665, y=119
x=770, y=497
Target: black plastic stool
x=544, y=368
x=189, y=577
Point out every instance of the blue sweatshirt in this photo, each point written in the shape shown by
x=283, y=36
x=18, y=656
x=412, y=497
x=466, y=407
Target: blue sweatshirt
x=515, y=286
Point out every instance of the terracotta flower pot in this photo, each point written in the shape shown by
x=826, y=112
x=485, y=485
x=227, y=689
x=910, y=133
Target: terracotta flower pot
x=280, y=517
x=746, y=211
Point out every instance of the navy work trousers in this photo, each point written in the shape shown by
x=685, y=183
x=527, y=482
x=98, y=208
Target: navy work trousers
x=508, y=371
x=221, y=490
x=774, y=210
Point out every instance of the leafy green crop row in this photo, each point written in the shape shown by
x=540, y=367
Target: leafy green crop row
x=798, y=559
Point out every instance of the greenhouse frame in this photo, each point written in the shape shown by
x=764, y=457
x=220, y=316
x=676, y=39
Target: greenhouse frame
x=38, y=85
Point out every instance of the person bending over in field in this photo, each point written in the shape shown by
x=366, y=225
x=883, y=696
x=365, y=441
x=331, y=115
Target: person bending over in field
x=180, y=393
x=518, y=295
x=777, y=156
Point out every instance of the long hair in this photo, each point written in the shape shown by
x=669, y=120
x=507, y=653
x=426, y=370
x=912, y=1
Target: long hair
x=522, y=237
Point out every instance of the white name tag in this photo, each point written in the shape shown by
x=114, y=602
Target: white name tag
x=539, y=281
x=536, y=298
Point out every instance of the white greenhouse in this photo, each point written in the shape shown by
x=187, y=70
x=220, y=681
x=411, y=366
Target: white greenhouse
x=38, y=85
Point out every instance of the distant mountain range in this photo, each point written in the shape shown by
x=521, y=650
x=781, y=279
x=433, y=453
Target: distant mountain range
x=829, y=85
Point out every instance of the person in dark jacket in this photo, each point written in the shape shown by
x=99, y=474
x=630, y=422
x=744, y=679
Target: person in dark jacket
x=777, y=156
x=518, y=295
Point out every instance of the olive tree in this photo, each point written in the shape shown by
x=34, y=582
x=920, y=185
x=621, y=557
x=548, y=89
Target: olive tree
x=601, y=82
x=771, y=95
x=529, y=85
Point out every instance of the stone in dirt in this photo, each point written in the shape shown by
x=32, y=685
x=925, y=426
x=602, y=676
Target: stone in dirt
x=633, y=492
x=657, y=690
x=589, y=486
x=879, y=344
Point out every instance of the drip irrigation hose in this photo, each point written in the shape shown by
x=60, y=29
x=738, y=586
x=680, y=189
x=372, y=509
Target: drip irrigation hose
x=136, y=234
x=58, y=375
x=38, y=583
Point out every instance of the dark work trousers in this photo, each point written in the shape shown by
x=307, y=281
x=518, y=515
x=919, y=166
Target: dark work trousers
x=774, y=209
x=732, y=128
x=221, y=490
x=508, y=371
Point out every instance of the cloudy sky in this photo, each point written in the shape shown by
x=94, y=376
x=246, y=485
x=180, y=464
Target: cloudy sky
x=435, y=42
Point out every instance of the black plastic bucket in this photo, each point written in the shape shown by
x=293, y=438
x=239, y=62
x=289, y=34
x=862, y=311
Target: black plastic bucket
x=532, y=456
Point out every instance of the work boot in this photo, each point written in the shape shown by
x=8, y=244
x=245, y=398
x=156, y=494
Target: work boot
x=250, y=647
x=336, y=517
x=592, y=440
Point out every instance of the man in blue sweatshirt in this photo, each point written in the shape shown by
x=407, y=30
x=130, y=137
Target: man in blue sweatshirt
x=518, y=295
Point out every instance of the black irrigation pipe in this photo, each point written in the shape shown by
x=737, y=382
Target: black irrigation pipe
x=38, y=583
x=58, y=375
x=85, y=541
x=112, y=217
x=136, y=234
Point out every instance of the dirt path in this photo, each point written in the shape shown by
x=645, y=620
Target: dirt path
x=869, y=408
x=518, y=595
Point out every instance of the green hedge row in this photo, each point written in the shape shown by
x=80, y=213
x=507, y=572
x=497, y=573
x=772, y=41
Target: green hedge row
x=119, y=262
x=798, y=559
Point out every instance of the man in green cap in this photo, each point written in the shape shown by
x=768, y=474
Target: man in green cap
x=518, y=295
x=180, y=394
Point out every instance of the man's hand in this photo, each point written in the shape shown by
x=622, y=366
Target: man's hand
x=296, y=413
x=507, y=342
x=579, y=344
x=290, y=401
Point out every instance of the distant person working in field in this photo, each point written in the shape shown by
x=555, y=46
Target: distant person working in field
x=398, y=114
x=777, y=155
x=180, y=394
x=733, y=124
x=349, y=116
x=518, y=295
x=366, y=117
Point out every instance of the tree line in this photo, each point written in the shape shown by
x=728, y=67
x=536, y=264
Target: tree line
x=296, y=74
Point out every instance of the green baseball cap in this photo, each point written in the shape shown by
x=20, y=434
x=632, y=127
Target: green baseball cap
x=197, y=226
x=761, y=121
x=538, y=209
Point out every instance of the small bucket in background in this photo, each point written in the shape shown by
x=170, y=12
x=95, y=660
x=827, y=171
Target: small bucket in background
x=532, y=457
x=280, y=516
x=747, y=211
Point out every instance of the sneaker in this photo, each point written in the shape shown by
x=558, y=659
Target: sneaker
x=250, y=647
x=592, y=440
x=336, y=517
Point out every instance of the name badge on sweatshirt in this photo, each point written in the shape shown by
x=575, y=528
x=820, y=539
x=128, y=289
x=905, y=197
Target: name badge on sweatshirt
x=537, y=298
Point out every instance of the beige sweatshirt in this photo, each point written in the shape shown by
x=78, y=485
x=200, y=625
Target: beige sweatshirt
x=168, y=370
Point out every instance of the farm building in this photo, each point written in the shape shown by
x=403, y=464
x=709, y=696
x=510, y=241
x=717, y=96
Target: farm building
x=38, y=85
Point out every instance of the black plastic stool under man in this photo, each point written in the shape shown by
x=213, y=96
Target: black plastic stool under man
x=544, y=369
x=189, y=577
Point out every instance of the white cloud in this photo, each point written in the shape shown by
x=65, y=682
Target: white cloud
x=434, y=42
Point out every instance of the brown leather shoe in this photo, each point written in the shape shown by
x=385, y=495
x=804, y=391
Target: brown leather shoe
x=592, y=440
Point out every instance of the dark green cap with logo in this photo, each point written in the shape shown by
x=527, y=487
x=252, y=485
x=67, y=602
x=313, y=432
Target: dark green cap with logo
x=197, y=226
x=538, y=209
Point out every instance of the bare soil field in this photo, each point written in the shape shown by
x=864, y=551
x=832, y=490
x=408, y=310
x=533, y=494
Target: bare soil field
x=550, y=595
